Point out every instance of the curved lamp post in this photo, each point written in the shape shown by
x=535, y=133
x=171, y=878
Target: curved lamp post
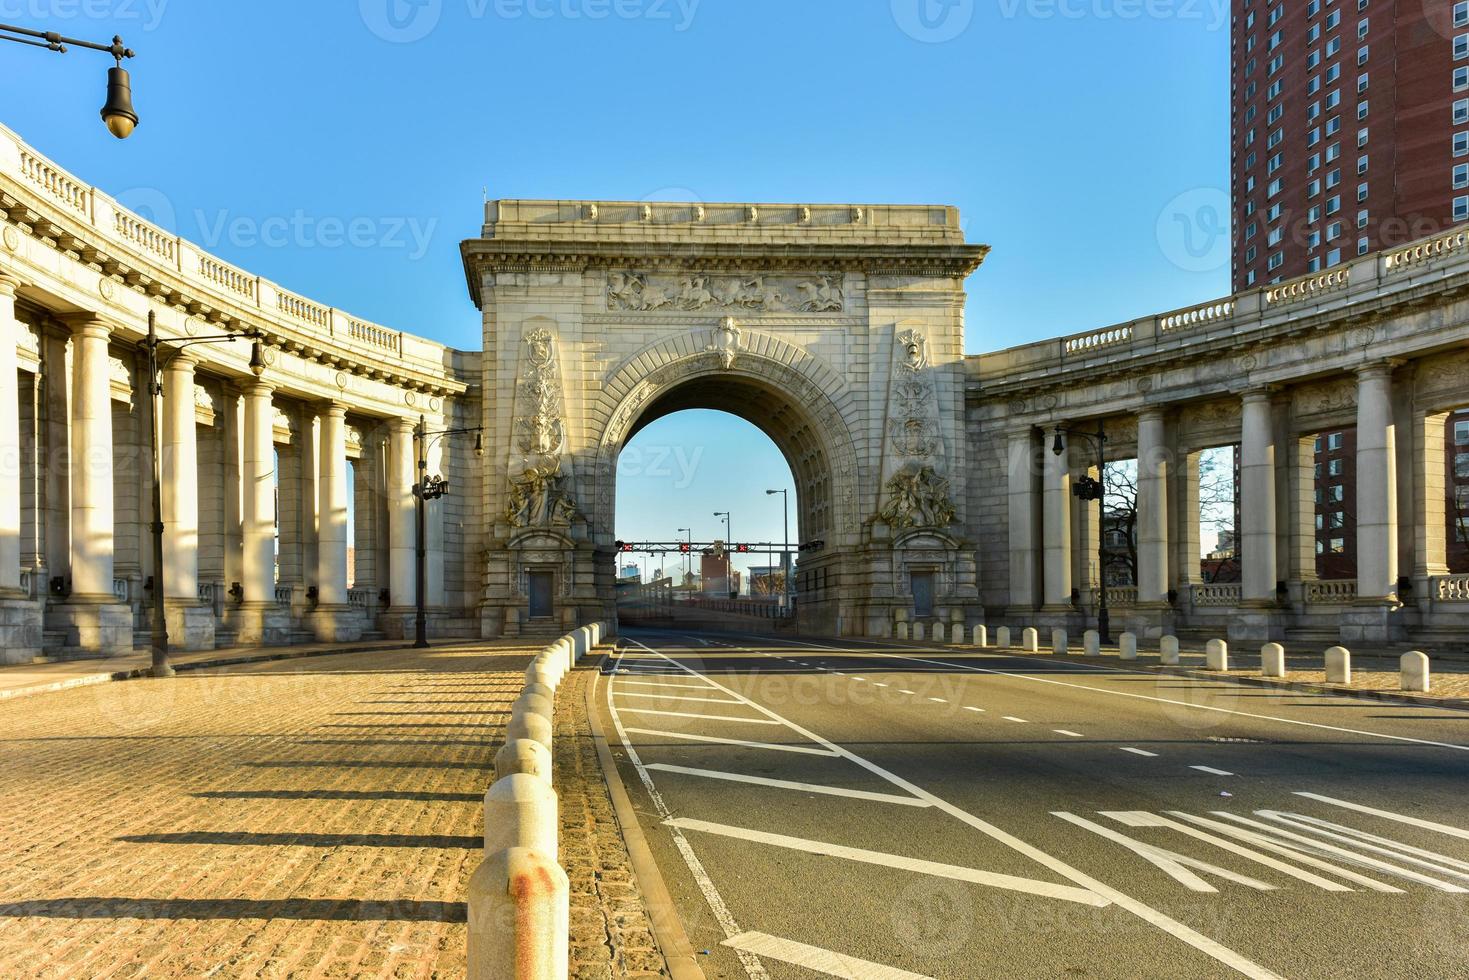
x=118, y=111
x=1088, y=489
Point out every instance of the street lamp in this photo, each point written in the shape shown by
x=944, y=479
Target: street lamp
x=429, y=488
x=117, y=112
x=728, y=561
x=153, y=345
x=785, y=555
x=1088, y=489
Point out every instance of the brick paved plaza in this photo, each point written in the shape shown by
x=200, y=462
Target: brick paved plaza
x=309, y=818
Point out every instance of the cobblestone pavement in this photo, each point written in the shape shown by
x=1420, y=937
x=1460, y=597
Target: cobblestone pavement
x=311, y=818
x=611, y=932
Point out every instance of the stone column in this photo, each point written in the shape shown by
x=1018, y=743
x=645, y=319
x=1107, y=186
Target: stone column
x=1152, y=508
x=1086, y=543
x=1430, y=525
x=1022, y=523
x=1056, y=528
x=9, y=441
x=402, y=527
x=261, y=621
x=190, y=626
x=93, y=619
x=1257, y=498
x=333, y=619
x=20, y=618
x=1377, y=505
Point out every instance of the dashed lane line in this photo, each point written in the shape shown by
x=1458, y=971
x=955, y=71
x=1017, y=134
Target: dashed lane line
x=773, y=746
x=1062, y=731
x=687, y=714
x=1212, y=771
x=673, y=697
x=1142, y=752
x=1020, y=721
x=816, y=958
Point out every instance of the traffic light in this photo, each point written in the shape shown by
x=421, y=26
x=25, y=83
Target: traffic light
x=685, y=548
x=624, y=546
x=816, y=545
x=742, y=549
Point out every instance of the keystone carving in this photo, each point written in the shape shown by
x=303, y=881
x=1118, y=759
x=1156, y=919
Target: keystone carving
x=726, y=343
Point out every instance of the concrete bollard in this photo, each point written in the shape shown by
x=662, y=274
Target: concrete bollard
x=938, y=632
x=1127, y=646
x=901, y=631
x=529, y=724
x=1030, y=640
x=981, y=636
x=1272, y=660
x=542, y=672
x=520, y=811
x=958, y=636
x=1091, y=643
x=1168, y=650
x=1216, y=655
x=523, y=755
x=538, y=703
x=519, y=917
x=1060, y=643
x=918, y=633
x=1415, y=671
x=1338, y=666
x=543, y=690
x=1002, y=637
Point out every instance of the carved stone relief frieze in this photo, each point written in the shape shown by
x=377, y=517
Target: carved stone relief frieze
x=913, y=432
x=639, y=292
x=539, y=489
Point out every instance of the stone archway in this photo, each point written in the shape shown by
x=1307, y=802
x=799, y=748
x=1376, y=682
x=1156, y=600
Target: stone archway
x=837, y=330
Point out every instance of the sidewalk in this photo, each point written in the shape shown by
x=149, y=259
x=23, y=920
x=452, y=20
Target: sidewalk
x=20, y=680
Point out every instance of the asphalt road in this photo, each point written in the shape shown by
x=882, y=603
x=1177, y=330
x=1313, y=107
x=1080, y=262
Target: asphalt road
x=846, y=808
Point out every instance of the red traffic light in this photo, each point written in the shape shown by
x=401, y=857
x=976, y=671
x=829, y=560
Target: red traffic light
x=742, y=548
x=684, y=548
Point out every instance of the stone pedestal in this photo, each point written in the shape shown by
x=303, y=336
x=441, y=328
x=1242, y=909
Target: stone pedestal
x=335, y=623
x=1372, y=622
x=190, y=625
x=95, y=629
x=262, y=624
x=1149, y=621
x=21, y=627
x=399, y=623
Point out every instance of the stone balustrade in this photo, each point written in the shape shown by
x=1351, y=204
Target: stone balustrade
x=1339, y=592
x=1451, y=588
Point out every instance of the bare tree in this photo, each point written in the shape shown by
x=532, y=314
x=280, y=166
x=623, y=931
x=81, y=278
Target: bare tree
x=1119, y=524
x=1219, y=509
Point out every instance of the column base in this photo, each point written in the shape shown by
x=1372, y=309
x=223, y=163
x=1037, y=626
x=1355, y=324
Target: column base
x=1372, y=622
x=260, y=624
x=1258, y=624
x=190, y=625
x=100, y=628
x=1066, y=617
x=335, y=624
x=22, y=624
x=399, y=623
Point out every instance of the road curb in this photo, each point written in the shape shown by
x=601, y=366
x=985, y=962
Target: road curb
x=668, y=929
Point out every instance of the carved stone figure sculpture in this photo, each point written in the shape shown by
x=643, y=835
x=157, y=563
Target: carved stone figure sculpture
x=917, y=497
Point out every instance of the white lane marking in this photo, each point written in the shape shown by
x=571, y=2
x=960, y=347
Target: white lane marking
x=1184, y=704
x=904, y=690
x=939, y=700
x=660, y=687
x=1062, y=731
x=878, y=684
x=1354, y=857
x=1300, y=857
x=753, y=967
x=1021, y=721
x=800, y=749
x=1441, y=828
x=1370, y=842
x=1212, y=771
x=686, y=714
x=816, y=958
x=674, y=697
x=1171, y=863
x=993, y=879
x=1141, y=818
x=968, y=708
x=859, y=678
x=735, y=777
x=1147, y=913
x=1143, y=752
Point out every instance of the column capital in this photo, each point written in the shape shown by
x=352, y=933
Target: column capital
x=87, y=324
x=1152, y=413
x=400, y=425
x=8, y=284
x=1377, y=369
x=183, y=362
x=1260, y=393
x=257, y=387
x=333, y=408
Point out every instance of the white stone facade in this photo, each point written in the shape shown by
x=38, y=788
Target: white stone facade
x=927, y=475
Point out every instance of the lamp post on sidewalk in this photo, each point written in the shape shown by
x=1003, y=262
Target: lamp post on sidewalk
x=154, y=345
x=429, y=488
x=1088, y=489
x=785, y=555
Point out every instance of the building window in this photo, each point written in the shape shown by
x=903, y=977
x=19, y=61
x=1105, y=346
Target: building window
x=1274, y=213
x=1332, y=152
x=1461, y=111
x=1273, y=188
x=1461, y=175
x=1333, y=125
x=1362, y=218
x=1461, y=46
x=1250, y=254
x=1361, y=165
x=1461, y=78
x=1461, y=208
x=1362, y=29
x=1333, y=257
x=1361, y=56
x=1461, y=144
x=1361, y=137
x=1333, y=231
x=1461, y=15
x=1361, y=192
x=1361, y=83
x=1274, y=237
x=1333, y=177
x=1362, y=247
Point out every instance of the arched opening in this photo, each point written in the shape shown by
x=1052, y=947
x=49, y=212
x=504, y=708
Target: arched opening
x=695, y=465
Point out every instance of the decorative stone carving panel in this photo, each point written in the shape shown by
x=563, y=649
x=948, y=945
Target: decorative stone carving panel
x=639, y=292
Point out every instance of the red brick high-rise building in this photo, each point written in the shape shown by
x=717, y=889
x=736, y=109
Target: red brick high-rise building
x=1349, y=129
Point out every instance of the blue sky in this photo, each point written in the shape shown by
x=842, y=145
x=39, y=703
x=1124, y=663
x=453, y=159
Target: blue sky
x=340, y=148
